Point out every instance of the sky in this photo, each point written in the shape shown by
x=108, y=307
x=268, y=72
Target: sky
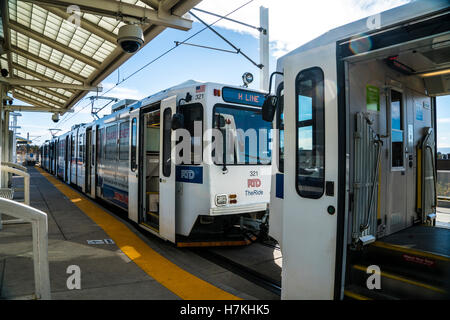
x=288, y=28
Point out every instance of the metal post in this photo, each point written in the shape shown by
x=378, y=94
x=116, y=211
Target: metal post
x=264, y=48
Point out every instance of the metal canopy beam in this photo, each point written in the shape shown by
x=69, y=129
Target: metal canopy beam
x=47, y=64
x=53, y=44
x=85, y=24
x=152, y=3
x=167, y=5
x=42, y=88
x=30, y=108
x=39, y=96
x=117, y=9
x=48, y=84
x=24, y=98
x=35, y=74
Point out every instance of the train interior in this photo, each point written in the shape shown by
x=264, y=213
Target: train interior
x=151, y=143
x=392, y=225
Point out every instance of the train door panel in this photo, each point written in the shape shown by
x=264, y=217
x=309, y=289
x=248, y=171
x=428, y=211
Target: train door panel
x=67, y=159
x=398, y=155
x=310, y=189
x=167, y=170
x=133, y=169
x=93, y=162
x=81, y=159
x=87, y=162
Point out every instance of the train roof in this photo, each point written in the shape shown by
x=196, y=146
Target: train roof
x=155, y=98
x=410, y=11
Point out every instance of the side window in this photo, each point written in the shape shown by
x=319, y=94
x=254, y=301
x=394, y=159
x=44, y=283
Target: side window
x=167, y=131
x=100, y=144
x=72, y=148
x=111, y=142
x=134, y=144
x=81, y=147
x=124, y=143
x=397, y=129
x=193, y=116
x=280, y=127
x=310, y=123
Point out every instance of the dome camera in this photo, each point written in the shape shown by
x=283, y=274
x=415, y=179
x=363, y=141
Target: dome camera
x=130, y=38
x=55, y=117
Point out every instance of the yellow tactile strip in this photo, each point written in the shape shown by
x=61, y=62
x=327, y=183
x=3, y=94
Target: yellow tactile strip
x=180, y=282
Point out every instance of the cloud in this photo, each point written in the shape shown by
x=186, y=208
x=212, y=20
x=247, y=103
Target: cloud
x=294, y=22
x=443, y=120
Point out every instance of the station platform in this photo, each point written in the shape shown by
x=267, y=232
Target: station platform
x=116, y=260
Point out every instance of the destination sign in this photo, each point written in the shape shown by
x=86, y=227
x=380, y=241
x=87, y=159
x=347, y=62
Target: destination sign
x=250, y=98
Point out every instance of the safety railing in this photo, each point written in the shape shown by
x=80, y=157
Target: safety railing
x=14, y=165
x=367, y=147
x=38, y=220
x=26, y=180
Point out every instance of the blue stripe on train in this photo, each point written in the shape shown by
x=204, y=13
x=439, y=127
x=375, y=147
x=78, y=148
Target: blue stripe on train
x=117, y=196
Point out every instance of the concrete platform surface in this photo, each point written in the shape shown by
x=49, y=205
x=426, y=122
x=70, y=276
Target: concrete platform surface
x=107, y=271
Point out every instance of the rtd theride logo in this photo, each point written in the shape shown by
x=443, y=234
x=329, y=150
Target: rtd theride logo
x=253, y=183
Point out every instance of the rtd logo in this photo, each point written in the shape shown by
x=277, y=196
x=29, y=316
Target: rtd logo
x=254, y=183
x=187, y=174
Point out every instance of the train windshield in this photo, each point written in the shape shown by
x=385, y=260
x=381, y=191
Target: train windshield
x=247, y=135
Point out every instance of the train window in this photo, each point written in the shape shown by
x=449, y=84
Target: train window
x=81, y=147
x=310, y=119
x=100, y=144
x=72, y=149
x=111, y=143
x=280, y=127
x=397, y=129
x=167, y=132
x=124, y=143
x=250, y=142
x=193, y=115
x=133, y=144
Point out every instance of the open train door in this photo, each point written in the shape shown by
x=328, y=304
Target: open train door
x=133, y=170
x=310, y=207
x=167, y=170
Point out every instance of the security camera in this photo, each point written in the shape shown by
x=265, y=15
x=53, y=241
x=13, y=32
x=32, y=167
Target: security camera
x=55, y=117
x=130, y=38
x=247, y=78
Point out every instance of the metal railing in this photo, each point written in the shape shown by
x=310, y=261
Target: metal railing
x=14, y=165
x=367, y=150
x=38, y=220
x=26, y=179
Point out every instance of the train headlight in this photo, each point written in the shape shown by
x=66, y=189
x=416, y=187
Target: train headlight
x=221, y=199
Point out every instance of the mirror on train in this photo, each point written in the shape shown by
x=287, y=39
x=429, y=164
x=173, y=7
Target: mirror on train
x=220, y=122
x=177, y=121
x=269, y=107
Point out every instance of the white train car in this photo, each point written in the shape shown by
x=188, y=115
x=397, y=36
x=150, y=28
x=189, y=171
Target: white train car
x=131, y=160
x=358, y=148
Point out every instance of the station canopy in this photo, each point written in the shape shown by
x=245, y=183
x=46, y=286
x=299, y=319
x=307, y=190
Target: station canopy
x=55, y=51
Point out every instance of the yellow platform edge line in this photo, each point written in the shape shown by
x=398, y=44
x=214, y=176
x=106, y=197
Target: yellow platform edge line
x=355, y=295
x=394, y=247
x=405, y=280
x=180, y=282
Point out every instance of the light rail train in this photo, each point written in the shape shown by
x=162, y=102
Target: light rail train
x=130, y=159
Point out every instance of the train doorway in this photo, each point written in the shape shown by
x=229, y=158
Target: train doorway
x=157, y=169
